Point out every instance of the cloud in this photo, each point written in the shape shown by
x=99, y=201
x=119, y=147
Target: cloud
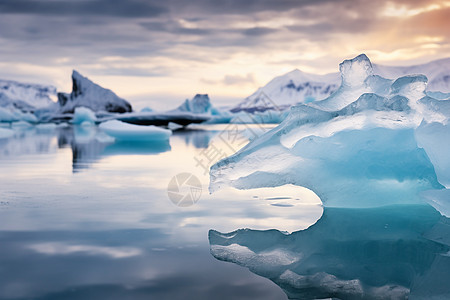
x=116, y=8
x=188, y=41
x=229, y=80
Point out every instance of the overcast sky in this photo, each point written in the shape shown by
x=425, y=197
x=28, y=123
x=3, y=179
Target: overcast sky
x=158, y=53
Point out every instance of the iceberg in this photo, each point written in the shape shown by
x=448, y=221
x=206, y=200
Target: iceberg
x=201, y=105
x=88, y=94
x=364, y=146
x=129, y=132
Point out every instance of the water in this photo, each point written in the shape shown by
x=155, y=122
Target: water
x=82, y=217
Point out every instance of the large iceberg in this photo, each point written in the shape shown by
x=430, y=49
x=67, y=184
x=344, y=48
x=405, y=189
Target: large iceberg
x=364, y=146
x=88, y=94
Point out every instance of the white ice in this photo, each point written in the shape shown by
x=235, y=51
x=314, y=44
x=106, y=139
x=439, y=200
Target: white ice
x=129, y=132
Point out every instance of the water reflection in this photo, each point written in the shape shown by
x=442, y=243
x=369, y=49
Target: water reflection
x=394, y=252
x=197, y=137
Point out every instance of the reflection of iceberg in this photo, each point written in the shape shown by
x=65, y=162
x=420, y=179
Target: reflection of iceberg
x=136, y=148
x=89, y=145
x=197, y=137
x=394, y=252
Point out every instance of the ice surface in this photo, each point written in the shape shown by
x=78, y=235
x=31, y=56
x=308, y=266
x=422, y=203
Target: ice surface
x=364, y=146
x=88, y=94
x=393, y=252
x=129, y=132
x=265, y=117
x=6, y=133
x=434, y=138
x=83, y=114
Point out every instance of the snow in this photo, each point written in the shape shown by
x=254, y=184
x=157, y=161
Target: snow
x=373, y=142
x=83, y=114
x=129, y=132
x=27, y=96
x=88, y=94
x=288, y=89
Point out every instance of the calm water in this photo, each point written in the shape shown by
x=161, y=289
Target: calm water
x=82, y=217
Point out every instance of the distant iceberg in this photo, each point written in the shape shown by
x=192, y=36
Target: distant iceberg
x=88, y=94
x=201, y=105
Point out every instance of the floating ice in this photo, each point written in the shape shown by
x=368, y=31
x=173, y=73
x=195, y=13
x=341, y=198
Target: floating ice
x=361, y=147
x=129, y=132
x=83, y=114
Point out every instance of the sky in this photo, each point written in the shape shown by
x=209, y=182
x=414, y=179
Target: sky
x=158, y=53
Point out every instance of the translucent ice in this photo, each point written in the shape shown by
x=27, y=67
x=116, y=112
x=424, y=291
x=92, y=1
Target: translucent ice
x=361, y=147
x=83, y=114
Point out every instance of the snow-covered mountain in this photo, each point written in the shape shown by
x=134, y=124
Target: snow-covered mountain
x=25, y=97
x=288, y=89
x=301, y=87
x=437, y=72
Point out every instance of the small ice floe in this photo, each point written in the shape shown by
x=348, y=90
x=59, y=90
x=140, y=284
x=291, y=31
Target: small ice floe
x=129, y=132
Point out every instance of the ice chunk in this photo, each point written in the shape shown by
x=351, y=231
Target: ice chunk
x=378, y=253
x=357, y=76
x=83, y=114
x=129, y=132
x=351, y=168
x=88, y=94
